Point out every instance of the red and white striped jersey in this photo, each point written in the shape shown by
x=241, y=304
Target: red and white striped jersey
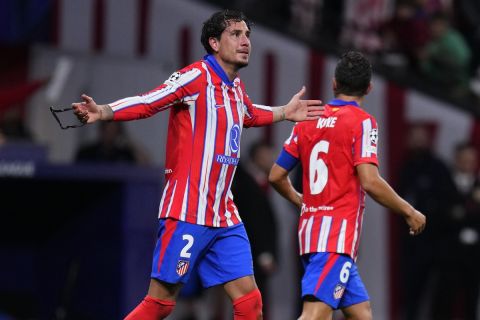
x=333, y=200
x=207, y=115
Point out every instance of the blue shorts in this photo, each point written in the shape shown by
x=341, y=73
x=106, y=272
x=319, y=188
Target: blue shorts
x=218, y=255
x=333, y=279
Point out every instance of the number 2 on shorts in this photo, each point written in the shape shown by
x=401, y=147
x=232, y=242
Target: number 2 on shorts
x=184, y=253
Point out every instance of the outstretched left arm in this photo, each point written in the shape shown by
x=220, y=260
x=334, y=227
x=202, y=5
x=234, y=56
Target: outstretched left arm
x=297, y=109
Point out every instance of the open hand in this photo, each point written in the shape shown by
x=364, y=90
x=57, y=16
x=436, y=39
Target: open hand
x=86, y=111
x=299, y=110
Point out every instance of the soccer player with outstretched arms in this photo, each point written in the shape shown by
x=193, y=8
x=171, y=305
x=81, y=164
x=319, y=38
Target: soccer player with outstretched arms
x=199, y=224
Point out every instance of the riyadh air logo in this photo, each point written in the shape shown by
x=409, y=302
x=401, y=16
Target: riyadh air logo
x=224, y=159
x=235, y=138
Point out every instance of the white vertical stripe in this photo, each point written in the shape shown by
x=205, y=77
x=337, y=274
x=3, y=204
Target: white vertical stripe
x=367, y=127
x=308, y=234
x=163, y=198
x=228, y=215
x=230, y=195
x=259, y=106
x=209, y=144
x=240, y=113
x=300, y=236
x=243, y=106
x=171, y=199
x=341, y=237
x=192, y=106
x=221, y=183
x=192, y=109
x=358, y=229
x=355, y=234
x=324, y=233
x=183, y=214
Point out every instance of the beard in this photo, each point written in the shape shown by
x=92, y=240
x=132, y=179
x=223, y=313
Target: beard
x=241, y=64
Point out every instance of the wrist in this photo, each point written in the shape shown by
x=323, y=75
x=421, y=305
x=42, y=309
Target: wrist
x=282, y=113
x=409, y=212
x=286, y=113
x=105, y=112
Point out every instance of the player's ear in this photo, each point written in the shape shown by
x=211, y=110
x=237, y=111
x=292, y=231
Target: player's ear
x=370, y=87
x=214, y=43
x=334, y=85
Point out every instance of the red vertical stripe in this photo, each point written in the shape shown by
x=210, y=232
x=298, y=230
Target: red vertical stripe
x=170, y=227
x=397, y=124
x=269, y=88
x=316, y=70
x=99, y=25
x=185, y=46
x=143, y=8
x=332, y=258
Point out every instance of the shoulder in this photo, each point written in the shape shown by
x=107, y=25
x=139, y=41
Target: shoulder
x=359, y=115
x=186, y=74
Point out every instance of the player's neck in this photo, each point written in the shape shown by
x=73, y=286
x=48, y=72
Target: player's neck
x=358, y=100
x=230, y=70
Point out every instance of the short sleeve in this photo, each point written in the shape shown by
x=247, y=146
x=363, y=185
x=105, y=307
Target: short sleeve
x=291, y=144
x=365, y=142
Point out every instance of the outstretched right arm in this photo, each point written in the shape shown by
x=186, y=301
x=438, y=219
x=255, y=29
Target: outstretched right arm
x=382, y=192
x=172, y=92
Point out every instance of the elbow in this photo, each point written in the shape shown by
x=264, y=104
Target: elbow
x=277, y=176
x=368, y=185
x=273, y=178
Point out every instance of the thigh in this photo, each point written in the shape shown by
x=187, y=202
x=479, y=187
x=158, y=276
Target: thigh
x=228, y=258
x=179, y=249
x=359, y=311
x=355, y=291
x=239, y=287
x=315, y=310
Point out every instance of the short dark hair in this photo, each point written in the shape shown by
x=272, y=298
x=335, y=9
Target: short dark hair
x=353, y=74
x=217, y=23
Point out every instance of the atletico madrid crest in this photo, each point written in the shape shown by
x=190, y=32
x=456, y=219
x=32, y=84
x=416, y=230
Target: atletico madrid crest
x=338, y=291
x=182, y=267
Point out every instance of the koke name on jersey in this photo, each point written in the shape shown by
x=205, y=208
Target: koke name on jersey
x=326, y=122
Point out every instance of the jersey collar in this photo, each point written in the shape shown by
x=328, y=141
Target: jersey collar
x=212, y=62
x=339, y=103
